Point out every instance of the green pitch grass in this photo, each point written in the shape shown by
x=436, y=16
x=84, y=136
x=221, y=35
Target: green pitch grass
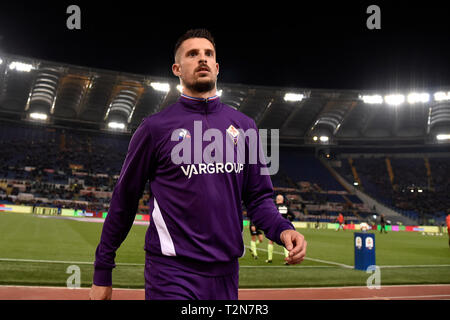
x=404, y=258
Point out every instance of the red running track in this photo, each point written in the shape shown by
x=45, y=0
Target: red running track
x=402, y=292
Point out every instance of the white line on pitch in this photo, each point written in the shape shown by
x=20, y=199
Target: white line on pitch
x=312, y=259
x=65, y=262
x=330, y=262
x=129, y=264
x=263, y=289
x=417, y=266
x=242, y=266
x=285, y=268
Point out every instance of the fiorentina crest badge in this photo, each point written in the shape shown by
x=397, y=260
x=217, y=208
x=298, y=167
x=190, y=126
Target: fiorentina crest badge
x=232, y=131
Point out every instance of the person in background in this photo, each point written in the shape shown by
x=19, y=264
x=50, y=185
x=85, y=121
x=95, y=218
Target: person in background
x=317, y=226
x=283, y=209
x=256, y=238
x=340, y=220
x=448, y=227
x=383, y=224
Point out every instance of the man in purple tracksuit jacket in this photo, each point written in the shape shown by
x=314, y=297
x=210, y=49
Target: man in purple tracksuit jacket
x=194, y=202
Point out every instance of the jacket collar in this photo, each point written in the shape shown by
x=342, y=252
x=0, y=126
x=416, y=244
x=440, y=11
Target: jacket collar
x=201, y=105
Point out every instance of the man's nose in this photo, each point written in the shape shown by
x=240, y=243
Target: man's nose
x=202, y=58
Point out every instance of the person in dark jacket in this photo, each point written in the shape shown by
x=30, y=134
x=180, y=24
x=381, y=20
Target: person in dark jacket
x=283, y=209
x=382, y=224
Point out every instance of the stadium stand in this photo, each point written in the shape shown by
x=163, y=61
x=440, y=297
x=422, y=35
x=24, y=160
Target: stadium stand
x=304, y=167
x=413, y=191
x=73, y=158
x=66, y=167
x=59, y=166
x=320, y=197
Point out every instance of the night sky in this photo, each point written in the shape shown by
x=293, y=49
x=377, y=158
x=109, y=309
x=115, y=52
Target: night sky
x=321, y=45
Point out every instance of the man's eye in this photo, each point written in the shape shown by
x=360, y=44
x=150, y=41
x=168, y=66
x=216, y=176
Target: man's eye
x=192, y=54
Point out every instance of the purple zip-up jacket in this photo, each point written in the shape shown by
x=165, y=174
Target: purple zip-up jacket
x=196, y=213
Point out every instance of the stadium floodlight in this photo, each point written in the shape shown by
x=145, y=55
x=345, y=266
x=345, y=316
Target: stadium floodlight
x=315, y=138
x=1, y=61
x=373, y=99
x=394, y=99
x=324, y=138
x=293, y=97
x=420, y=190
x=418, y=97
x=441, y=96
x=355, y=183
x=443, y=136
x=412, y=190
x=219, y=93
x=116, y=125
x=158, y=86
x=20, y=66
x=38, y=116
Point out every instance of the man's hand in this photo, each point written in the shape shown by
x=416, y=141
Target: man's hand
x=296, y=244
x=100, y=293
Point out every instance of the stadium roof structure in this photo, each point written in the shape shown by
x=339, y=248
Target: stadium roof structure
x=90, y=98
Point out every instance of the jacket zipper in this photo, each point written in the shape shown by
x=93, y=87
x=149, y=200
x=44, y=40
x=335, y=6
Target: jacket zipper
x=206, y=113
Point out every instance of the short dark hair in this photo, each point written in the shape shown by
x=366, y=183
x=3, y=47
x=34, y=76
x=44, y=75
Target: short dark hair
x=194, y=33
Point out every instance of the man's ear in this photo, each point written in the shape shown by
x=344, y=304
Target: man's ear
x=176, y=69
x=217, y=67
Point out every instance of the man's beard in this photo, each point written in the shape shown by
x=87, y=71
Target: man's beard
x=200, y=86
